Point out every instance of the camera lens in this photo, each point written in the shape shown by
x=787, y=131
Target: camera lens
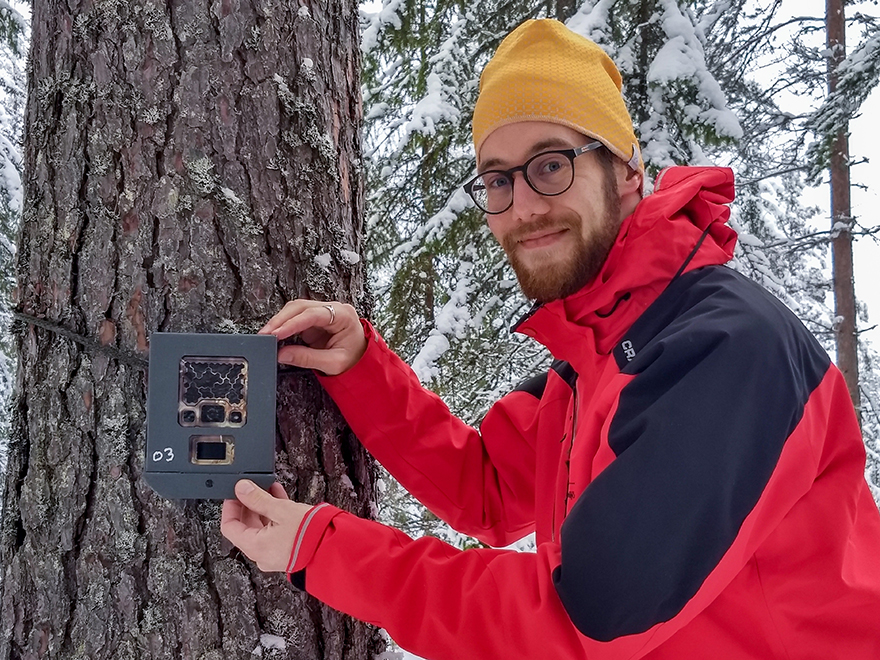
x=188, y=416
x=235, y=417
x=212, y=414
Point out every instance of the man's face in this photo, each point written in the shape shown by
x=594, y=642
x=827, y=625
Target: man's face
x=558, y=244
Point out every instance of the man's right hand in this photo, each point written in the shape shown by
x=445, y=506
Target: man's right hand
x=335, y=339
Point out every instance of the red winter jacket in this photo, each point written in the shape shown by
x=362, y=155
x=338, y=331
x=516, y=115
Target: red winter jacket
x=691, y=465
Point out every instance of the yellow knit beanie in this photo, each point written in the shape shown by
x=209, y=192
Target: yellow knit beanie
x=543, y=71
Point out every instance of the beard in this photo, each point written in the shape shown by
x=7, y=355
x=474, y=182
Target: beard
x=568, y=273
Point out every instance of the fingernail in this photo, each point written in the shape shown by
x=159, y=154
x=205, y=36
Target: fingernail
x=244, y=486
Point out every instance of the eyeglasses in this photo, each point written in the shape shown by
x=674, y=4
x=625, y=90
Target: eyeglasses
x=549, y=173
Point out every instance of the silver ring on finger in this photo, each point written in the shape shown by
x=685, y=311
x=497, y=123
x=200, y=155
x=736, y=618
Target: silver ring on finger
x=332, y=311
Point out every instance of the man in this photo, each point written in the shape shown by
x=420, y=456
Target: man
x=691, y=464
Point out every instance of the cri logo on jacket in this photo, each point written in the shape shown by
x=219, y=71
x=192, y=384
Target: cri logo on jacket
x=628, y=350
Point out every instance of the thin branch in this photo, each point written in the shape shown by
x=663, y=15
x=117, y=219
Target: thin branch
x=771, y=175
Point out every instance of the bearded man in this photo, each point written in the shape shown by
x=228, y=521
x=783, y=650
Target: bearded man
x=691, y=464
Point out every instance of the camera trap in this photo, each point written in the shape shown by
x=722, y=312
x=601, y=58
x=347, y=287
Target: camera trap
x=210, y=413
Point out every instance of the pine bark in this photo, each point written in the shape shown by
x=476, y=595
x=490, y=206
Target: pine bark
x=846, y=333
x=190, y=165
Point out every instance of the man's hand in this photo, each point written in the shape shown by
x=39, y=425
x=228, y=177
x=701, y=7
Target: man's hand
x=262, y=525
x=332, y=331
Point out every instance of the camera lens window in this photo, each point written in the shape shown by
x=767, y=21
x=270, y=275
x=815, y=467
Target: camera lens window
x=235, y=417
x=211, y=451
x=188, y=416
x=213, y=414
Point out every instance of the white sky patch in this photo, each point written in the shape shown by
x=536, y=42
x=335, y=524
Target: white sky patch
x=865, y=142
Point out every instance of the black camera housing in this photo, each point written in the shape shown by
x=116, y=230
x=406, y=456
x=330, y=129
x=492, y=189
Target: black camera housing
x=210, y=413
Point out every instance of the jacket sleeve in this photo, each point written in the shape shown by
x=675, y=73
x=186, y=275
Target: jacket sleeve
x=480, y=482
x=712, y=450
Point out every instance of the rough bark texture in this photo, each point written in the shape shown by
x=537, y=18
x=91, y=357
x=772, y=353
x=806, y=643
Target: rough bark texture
x=846, y=333
x=186, y=162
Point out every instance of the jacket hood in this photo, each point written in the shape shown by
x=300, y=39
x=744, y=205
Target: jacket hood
x=681, y=226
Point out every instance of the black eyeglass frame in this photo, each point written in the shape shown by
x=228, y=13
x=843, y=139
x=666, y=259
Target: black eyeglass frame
x=571, y=154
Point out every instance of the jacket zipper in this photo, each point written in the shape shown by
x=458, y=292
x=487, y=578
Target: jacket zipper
x=568, y=492
x=574, y=421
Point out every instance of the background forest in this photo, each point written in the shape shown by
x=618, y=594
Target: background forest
x=740, y=83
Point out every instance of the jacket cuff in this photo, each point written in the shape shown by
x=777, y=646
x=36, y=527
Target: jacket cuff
x=371, y=334
x=308, y=537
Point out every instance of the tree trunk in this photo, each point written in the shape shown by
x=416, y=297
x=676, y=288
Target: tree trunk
x=190, y=165
x=846, y=336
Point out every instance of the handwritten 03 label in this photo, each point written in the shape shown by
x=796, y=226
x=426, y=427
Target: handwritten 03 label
x=166, y=454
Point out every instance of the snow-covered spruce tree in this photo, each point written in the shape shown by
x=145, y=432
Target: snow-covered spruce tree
x=189, y=166
x=439, y=277
x=14, y=37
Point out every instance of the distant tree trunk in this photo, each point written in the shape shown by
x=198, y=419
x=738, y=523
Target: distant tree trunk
x=189, y=166
x=846, y=336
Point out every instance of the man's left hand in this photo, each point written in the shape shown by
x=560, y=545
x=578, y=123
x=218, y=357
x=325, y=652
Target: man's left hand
x=262, y=525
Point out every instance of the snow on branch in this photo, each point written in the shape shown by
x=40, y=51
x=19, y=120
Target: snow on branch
x=375, y=23
x=591, y=21
x=682, y=58
x=858, y=75
x=435, y=227
x=452, y=321
x=685, y=105
x=10, y=12
x=434, y=107
x=10, y=176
